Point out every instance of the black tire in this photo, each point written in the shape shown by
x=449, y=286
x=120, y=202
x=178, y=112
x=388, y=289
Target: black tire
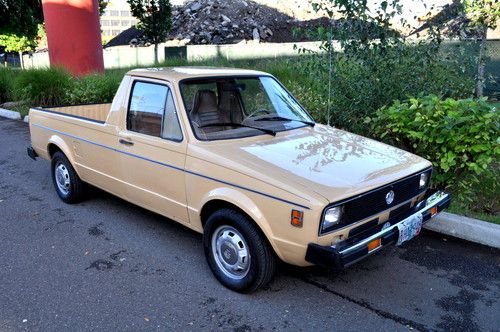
x=75, y=192
x=262, y=260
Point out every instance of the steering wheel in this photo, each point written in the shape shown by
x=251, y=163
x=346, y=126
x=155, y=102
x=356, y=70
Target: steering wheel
x=260, y=110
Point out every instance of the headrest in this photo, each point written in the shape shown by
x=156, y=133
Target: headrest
x=204, y=101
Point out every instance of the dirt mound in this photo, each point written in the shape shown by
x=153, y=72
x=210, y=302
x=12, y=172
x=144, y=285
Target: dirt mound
x=219, y=22
x=231, y=21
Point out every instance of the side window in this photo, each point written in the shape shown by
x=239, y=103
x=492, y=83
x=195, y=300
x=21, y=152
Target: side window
x=152, y=111
x=171, y=127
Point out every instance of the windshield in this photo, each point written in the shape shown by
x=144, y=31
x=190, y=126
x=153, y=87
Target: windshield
x=234, y=107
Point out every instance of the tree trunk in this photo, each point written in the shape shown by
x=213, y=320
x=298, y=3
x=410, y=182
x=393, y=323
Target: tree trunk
x=480, y=64
x=21, y=62
x=156, y=54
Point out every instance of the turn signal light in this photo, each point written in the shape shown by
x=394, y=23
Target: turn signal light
x=374, y=244
x=297, y=218
x=434, y=211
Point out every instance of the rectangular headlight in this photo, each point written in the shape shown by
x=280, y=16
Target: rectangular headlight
x=331, y=218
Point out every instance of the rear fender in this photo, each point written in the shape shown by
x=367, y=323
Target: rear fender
x=63, y=146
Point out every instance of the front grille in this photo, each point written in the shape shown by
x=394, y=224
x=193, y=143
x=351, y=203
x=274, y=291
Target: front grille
x=362, y=228
x=374, y=202
x=400, y=210
x=372, y=226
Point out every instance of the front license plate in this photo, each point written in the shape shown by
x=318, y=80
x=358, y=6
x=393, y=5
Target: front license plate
x=409, y=228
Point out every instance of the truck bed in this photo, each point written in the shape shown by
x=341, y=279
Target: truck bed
x=93, y=112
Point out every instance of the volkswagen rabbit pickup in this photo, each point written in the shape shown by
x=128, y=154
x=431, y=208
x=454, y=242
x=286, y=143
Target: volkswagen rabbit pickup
x=230, y=153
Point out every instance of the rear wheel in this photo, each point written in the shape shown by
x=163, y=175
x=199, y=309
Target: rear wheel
x=68, y=185
x=237, y=251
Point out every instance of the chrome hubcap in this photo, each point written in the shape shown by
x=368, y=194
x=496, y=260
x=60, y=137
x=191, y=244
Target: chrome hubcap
x=62, y=178
x=230, y=252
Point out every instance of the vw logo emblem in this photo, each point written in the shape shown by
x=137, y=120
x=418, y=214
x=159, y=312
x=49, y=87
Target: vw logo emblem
x=389, y=197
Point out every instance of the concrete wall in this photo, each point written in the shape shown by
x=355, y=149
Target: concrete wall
x=247, y=51
x=36, y=60
x=125, y=56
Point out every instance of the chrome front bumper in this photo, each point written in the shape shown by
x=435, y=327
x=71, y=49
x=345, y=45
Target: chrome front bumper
x=352, y=250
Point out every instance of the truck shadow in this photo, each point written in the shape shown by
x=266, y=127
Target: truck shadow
x=409, y=285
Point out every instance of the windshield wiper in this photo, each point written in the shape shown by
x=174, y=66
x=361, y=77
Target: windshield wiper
x=282, y=118
x=234, y=124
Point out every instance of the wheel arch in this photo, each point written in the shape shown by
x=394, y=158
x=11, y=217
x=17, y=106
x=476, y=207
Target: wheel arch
x=243, y=204
x=52, y=148
x=55, y=144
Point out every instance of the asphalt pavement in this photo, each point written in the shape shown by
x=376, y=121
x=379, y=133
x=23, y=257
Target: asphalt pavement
x=106, y=264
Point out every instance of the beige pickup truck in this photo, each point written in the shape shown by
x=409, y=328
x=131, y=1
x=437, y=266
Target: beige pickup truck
x=231, y=154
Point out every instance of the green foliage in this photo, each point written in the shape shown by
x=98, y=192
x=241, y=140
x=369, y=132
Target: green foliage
x=366, y=64
x=102, y=6
x=94, y=88
x=42, y=87
x=485, y=204
x=15, y=43
x=154, y=19
x=362, y=26
x=20, y=17
x=7, y=77
x=483, y=13
x=460, y=137
x=360, y=87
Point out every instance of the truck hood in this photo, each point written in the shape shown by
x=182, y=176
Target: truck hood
x=322, y=160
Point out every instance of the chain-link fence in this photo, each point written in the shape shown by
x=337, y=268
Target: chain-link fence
x=492, y=69
x=467, y=53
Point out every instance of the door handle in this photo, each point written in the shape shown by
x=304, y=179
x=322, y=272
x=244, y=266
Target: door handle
x=125, y=142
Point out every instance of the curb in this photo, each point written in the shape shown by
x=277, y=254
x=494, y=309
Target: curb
x=465, y=228
x=10, y=114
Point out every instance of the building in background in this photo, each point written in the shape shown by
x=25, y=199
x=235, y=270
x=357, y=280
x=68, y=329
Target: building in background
x=116, y=18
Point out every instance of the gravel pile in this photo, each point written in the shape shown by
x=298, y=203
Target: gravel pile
x=231, y=21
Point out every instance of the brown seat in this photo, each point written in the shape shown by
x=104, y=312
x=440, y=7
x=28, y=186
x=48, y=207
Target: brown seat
x=205, y=110
x=229, y=104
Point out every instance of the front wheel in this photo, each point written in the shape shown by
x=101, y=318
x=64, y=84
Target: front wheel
x=237, y=252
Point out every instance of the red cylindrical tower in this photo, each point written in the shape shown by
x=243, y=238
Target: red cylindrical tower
x=74, y=35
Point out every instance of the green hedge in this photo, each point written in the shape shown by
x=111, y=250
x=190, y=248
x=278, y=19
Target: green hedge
x=7, y=77
x=460, y=137
x=43, y=87
x=94, y=88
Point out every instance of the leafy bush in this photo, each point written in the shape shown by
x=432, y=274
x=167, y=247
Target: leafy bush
x=6, y=84
x=42, y=87
x=487, y=194
x=359, y=87
x=94, y=88
x=460, y=137
x=309, y=98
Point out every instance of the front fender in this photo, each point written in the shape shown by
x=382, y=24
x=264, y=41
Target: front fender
x=244, y=203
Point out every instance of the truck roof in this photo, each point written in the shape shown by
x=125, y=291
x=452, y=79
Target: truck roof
x=180, y=73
